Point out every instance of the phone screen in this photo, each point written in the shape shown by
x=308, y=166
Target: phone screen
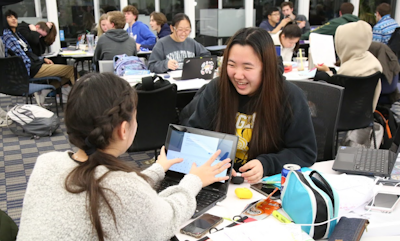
x=202, y=224
x=384, y=200
x=266, y=189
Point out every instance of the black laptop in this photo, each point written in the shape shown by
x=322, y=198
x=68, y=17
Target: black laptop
x=197, y=145
x=198, y=68
x=369, y=162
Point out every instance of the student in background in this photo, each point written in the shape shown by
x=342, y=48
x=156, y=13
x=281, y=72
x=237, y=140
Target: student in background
x=136, y=29
x=116, y=41
x=169, y=52
x=92, y=194
x=36, y=66
x=252, y=99
x=385, y=25
x=158, y=23
x=301, y=20
x=273, y=24
x=39, y=36
x=102, y=27
x=352, y=42
x=346, y=16
x=288, y=39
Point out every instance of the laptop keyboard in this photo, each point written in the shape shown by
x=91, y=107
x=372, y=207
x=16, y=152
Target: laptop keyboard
x=203, y=199
x=372, y=160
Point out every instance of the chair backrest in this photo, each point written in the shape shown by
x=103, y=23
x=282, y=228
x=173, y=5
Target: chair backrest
x=14, y=79
x=184, y=97
x=106, y=66
x=394, y=42
x=155, y=111
x=324, y=101
x=356, y=111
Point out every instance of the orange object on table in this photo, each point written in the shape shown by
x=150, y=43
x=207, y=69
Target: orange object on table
x=288, y=68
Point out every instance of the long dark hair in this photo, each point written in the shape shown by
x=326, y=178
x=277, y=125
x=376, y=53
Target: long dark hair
x=266, y=101
x=96, y=105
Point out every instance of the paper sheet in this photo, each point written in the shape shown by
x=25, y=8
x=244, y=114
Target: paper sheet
x=353, y=190
x=267, y=229
x=322, y=49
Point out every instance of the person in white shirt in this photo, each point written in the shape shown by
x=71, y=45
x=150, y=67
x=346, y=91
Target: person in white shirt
x=288, y=39
x=91, y=194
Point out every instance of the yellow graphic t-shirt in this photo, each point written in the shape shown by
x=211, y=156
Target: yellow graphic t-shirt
x=244, y=130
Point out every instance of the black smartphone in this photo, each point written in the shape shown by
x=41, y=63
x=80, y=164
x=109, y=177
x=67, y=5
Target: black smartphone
x=266, y=189
x=202, y=225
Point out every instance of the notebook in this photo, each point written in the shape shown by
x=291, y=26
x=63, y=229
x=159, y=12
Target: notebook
x=198, y=68
x=370, y=162
x=197, y=145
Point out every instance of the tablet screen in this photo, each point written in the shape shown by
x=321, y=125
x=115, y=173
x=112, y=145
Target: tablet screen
x=195, y=148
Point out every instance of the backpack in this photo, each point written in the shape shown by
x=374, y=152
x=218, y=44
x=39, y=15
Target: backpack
x=384, y=116
x=32, y=120
x=129, y=65
x=152, y=83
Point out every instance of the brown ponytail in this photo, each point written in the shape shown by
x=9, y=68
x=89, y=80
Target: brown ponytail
x=96, y=105
x=51, y=32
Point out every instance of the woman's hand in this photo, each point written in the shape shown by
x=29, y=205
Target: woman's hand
x=173, y=64
x=164, y=162
x=322, y=67
x=207, y=173
x=252, y=171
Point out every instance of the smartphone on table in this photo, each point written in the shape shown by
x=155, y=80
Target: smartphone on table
x=202, y=225
x=266, y=189
x=384, y=202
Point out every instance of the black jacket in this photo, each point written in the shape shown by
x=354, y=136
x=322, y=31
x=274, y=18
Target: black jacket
x=37, y=43
x=298, y=133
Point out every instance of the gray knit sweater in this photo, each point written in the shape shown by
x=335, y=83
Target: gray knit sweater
x=51, y=213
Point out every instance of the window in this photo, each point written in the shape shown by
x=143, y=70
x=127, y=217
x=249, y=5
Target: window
x=108, y=6
x=144, y=6
x=172, y=7
x=75, y=17
x=323, y=11
x=23, y=9
x=368, y=7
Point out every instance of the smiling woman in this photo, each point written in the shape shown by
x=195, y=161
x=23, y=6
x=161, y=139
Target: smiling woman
x=169, y=52
x=252, y=100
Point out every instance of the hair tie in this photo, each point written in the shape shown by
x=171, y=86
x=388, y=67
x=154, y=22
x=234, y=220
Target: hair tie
x=91, y=148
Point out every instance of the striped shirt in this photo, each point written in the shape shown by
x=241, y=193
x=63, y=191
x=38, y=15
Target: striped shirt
x=383, y=30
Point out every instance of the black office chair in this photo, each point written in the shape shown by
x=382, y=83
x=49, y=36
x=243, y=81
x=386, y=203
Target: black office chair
x=14, y=80
x=356, y=111
x=155, y=111
x=324, y=101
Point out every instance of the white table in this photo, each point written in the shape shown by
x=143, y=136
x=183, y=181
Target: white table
x=193, y=84
x=382, y=226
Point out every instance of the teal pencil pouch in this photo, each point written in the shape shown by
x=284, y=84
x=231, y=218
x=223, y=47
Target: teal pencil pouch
x=310, y=200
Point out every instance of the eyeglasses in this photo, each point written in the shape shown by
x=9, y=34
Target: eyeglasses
x=182, y=30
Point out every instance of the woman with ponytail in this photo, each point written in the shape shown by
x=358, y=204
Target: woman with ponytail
x=91, y=194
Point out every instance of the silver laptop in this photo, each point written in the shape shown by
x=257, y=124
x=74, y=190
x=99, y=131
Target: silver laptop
x=106, y=66
x=197, y=145
x=369, y=162
x=198, y=68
